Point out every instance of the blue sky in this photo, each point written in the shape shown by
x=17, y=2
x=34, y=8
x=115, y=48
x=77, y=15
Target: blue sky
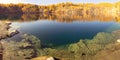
x=45, y=2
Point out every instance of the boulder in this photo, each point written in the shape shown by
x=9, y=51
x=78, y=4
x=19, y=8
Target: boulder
x=111, y=52
x=118, y=40
x=4, y=30
x=44, y=58
x=12, y=33
x=50, y=58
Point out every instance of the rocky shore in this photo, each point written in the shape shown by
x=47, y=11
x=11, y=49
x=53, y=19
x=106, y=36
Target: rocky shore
x=111, y=52
x=4, y=30
x=5, y=33
x=29, y=48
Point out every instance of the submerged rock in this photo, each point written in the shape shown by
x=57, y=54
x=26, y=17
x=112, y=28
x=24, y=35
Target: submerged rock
x=111, y=52
x=86, y=49
x=116, y=31
x=21, y=50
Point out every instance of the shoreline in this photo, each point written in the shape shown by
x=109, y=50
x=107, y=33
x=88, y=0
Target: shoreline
x=5, y=33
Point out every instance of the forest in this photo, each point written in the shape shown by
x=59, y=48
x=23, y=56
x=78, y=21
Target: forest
x=68, y=8
x=61, y=12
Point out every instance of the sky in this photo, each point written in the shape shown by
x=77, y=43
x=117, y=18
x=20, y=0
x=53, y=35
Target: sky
x=46, y=2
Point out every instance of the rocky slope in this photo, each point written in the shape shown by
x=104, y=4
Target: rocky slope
x=4, y=30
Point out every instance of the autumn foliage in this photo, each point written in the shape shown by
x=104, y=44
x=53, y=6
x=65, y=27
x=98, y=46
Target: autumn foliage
x=68, y=9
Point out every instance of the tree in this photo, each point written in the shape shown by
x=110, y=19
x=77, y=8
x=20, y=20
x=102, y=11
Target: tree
x=30, y=9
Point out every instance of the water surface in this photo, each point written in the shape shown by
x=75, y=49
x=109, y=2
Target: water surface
x=62, y=33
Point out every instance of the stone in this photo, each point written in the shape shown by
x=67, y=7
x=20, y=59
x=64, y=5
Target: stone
x=50, y=58
x=5, y=32
x=44, y=58
x=118, y=40
x=25, y=49
x=12, y=33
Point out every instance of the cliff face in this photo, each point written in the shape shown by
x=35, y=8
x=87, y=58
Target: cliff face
x=61, y=12
x=88, y=9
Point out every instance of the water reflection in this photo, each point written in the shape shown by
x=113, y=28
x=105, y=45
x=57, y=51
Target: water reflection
x=58, y=17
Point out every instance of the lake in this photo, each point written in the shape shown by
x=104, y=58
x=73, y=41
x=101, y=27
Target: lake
x=52, y=32
x=57, y=30
x=61, y=31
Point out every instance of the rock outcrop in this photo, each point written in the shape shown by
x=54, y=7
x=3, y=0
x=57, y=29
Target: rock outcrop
x=21, y=50
x=5, y=33
x=111, y=52
x=1, y=52
x=4, y=30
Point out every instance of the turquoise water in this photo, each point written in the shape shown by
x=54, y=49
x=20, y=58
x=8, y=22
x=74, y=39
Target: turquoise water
x=62, y=33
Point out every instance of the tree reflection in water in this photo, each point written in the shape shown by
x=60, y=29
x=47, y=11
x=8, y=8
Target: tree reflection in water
x=58, y=17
